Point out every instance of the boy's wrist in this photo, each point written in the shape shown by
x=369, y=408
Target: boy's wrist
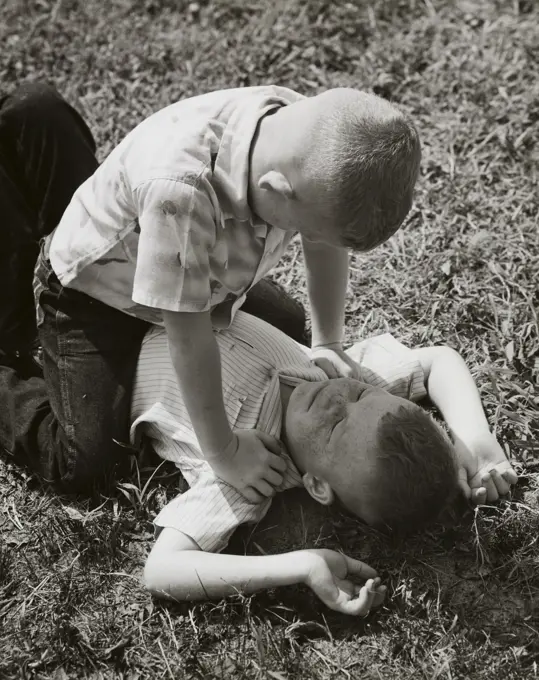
x=471, y=434
x=336, y=344
x=215, y=452
x=304, y=561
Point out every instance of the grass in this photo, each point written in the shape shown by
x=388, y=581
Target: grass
x=464, y=597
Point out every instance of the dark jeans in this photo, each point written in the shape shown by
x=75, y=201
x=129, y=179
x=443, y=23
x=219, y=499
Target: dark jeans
x=71, y=424
x=90, y=355
x=46, y=152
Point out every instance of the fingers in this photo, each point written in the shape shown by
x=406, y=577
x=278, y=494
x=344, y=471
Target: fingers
x=336, y=363
x=507, y=473
x=479, y=496
x=264, y=488
x=255, y=468
x=488, y=483
x=379, y=596
x=379, y=593
x=510, y=475
x=328, y=368
x=270, y=443
x=362, y=604
x=351, y=598
x=275, y=460
x=463, y=482
x=252, y=495
x=352, y=370
x=273, y=478
x=358, y=569
x=502, y=487
x=277, y=463
x=493, y=485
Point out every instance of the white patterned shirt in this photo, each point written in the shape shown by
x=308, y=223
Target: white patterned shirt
x=256, y=358
x=164, y=222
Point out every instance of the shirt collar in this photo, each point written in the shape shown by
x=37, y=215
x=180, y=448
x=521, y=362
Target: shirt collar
x=231, y=168
x=270, y=421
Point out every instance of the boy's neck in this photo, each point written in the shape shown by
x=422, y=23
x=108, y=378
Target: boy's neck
x=264, y=148
x=277, y=145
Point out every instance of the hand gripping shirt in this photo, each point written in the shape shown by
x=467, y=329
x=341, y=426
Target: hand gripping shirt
x=164, y=222
x=256, y=358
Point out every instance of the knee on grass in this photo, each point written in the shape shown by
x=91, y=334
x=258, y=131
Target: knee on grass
x=31, y=102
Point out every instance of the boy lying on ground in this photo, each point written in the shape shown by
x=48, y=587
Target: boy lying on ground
x=364, y=444
x=177, y=226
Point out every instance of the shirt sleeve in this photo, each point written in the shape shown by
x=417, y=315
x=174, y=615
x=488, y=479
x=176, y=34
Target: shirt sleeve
x=387, y=363
x=177, y=232
x=209, y=513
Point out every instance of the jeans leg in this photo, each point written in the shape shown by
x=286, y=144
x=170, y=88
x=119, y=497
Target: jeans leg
x=70, y=427
x=270, y=302
x=46, y=152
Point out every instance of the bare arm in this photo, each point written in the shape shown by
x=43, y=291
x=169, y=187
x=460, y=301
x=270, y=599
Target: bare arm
x=452, y=389
x=197, y=362
x=326, y=270
x=178, y=569
x=248, y=460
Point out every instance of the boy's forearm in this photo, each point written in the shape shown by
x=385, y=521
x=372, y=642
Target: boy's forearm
x=453, y=390
x=196, y=359
x=196, y=575
x=327, y=278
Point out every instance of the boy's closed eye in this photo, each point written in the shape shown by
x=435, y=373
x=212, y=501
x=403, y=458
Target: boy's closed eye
x=343, y=411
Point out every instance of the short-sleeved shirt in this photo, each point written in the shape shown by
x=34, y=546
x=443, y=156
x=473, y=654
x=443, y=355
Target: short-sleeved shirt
x=164, y=222
x=256, y=359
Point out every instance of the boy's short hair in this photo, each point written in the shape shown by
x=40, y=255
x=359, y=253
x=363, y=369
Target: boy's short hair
x=372, y=157
x=415, y=475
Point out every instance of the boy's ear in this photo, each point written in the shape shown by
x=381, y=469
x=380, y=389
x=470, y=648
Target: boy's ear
x=319, y=489
x=275, y=181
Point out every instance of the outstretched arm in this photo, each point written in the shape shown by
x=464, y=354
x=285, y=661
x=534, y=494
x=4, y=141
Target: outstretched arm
x=326, y=270
x=485, y=471
x=179, y=570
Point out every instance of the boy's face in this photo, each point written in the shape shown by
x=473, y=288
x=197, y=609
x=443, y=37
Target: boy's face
x=331, y=430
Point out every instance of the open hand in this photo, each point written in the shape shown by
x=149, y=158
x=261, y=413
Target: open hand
x=252, y=464
x=335, y=362
x=333, y=577
x=485, y=474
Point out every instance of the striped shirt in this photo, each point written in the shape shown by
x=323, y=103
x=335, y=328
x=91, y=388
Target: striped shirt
x=255, y=358
x=164, y=222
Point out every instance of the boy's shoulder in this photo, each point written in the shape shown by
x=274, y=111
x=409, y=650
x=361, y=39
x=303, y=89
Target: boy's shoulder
x=386, y=362
x=238, y=93
x=219, y=103
x=184, y=138
x=210, y=510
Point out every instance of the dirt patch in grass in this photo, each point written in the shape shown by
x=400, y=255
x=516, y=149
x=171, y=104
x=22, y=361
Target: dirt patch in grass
x=464, y=596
